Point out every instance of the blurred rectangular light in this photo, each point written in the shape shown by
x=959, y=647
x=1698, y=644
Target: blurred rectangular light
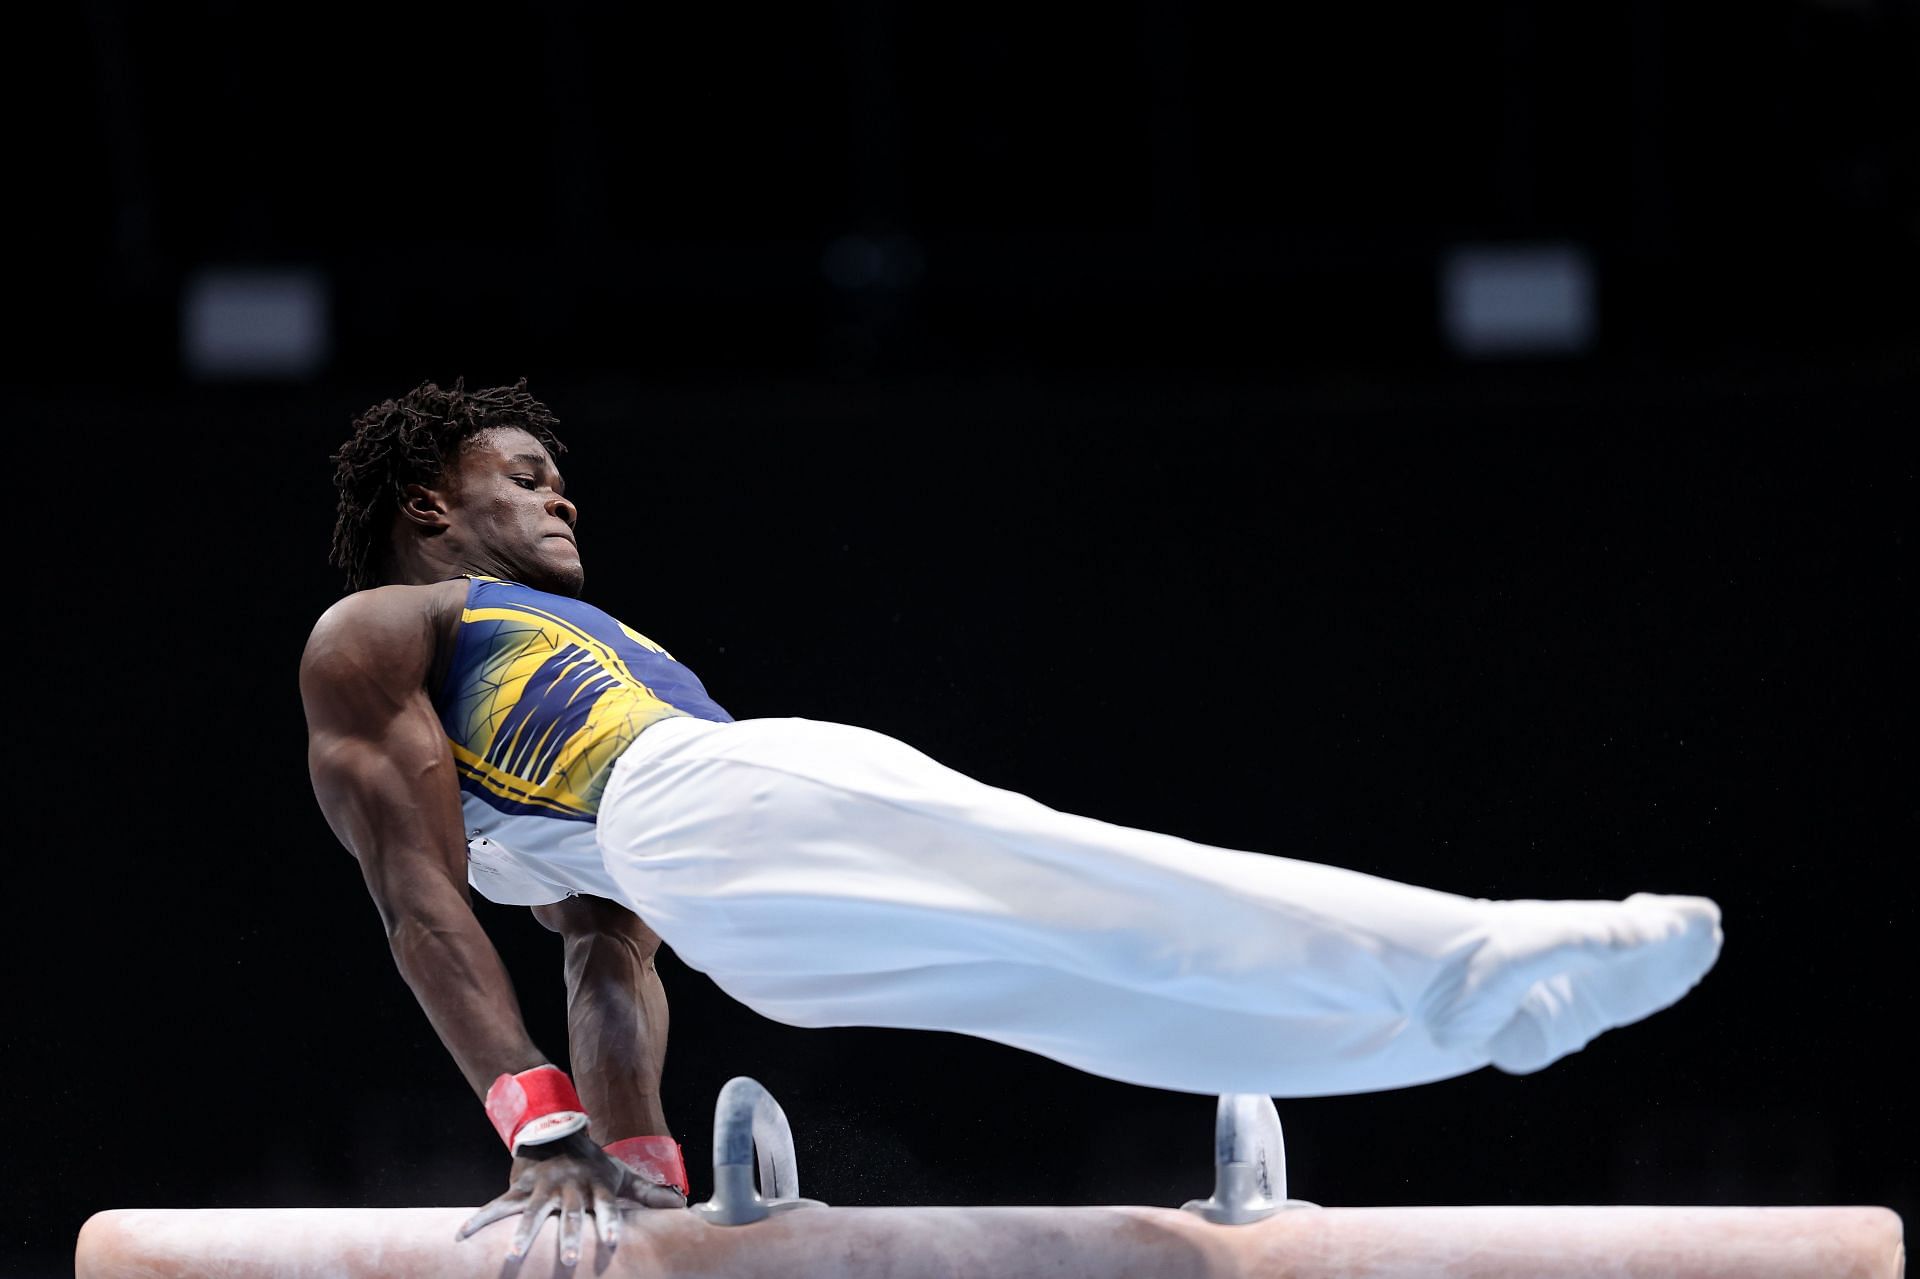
x=254, y=323
x=1504, y=300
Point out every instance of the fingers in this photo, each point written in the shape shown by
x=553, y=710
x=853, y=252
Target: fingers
x=533, y=1216
x=635, y=1188
x=571, y=1213
x=606, y=1214
x=537, y=1198
x=505, y=1206
x=654, y=1195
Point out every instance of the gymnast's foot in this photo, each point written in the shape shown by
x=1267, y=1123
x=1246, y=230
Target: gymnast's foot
x=1556, y=974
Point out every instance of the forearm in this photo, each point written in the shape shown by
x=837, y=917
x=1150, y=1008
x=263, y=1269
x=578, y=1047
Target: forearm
x=616, y=1033
x=449, y=962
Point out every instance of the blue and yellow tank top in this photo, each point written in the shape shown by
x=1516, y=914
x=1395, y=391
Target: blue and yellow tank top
x=541, y=695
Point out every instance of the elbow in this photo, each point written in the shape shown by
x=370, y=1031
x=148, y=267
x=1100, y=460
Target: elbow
x=432, y=951
x=591, y=923
x=408, y=933
x=632, y=947
x=411, y=922
x=403, y=927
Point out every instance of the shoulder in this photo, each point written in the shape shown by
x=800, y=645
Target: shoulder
x=386, y=631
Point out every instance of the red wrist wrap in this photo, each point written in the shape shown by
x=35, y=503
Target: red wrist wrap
x=655, y=1158
x=534, y=1107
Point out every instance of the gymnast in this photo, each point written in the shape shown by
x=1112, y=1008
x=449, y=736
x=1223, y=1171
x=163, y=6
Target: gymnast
x=474, y=724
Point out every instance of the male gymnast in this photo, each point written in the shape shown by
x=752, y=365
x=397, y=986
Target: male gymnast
x=473, y=723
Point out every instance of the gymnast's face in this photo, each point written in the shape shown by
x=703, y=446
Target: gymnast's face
x=508, y=515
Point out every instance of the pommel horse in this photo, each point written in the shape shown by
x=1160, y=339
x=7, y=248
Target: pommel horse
x=1247, y=1227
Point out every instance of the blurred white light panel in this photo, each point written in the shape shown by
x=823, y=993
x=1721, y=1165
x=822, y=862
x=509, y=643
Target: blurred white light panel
x=254, y=323
x=1504, y=300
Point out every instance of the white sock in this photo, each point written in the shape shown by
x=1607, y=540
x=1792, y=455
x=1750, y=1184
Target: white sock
x=1557, y=974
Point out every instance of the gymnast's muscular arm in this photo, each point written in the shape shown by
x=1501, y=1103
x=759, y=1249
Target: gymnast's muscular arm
x=384, y=776
x=383, y=772
x=616, y=1015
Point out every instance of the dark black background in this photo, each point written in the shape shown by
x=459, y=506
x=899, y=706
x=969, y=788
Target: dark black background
x=1142, y=483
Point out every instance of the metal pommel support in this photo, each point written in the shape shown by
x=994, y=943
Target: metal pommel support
x=747, y=1120
x=1249, y=1163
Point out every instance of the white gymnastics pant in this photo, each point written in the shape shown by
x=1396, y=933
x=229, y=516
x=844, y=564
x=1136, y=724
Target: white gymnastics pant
x=826, y=875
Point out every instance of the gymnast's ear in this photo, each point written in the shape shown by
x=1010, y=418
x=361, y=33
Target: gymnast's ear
x=424, y=508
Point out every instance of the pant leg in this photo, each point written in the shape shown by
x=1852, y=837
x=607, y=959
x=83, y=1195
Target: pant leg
x=829, y=875
x=1115, y=1032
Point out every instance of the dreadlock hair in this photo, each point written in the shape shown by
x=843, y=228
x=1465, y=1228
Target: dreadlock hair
x=410, y=441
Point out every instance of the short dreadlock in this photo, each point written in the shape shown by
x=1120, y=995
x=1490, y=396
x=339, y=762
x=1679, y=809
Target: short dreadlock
x=409, y=441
